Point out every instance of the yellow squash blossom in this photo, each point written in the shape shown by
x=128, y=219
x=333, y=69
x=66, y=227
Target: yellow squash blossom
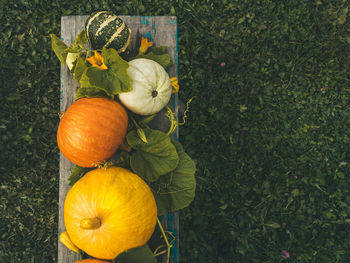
x=144, y=45
x=175, y=85
x=97, y=61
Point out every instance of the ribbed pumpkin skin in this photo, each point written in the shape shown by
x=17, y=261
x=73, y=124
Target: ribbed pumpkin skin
x=91, y=130
x=105, y=29
x=146, y=77
x=124, y=204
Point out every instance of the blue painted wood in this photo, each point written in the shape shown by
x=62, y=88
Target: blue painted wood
x=162, y=30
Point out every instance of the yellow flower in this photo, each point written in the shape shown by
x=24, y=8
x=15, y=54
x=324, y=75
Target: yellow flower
x=97, y=61
x=144, y=45
x=175, y=85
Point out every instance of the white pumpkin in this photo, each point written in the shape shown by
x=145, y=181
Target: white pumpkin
x=150, y=87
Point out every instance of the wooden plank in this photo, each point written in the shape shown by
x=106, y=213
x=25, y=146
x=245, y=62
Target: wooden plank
x=70, y=27
x=162, y=30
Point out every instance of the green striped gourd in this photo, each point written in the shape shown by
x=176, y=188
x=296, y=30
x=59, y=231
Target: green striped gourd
x=105, y=29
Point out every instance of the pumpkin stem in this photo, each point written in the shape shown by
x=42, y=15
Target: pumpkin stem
x=104, y=164
x=61, y=114
x=124, y=146
x=154, y=93
x=90, y=223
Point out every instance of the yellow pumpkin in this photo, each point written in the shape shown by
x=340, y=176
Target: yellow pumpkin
x=109, y=211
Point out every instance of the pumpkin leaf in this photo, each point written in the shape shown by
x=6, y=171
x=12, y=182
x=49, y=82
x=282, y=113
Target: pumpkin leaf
x=59, y=48
x=136, y=255
x=101, y=79
x=91, y=92
x=155, y=158
x=159, y=55
x=79, y=69
x=80, y=39
x=78, y=44
x=77, y=173
x=176, y=190
x=118, y=67
x=72, y=50
x=273, y=225
x=159, y=50
x=112, y=80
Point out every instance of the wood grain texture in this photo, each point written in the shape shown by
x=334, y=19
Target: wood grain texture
x=162, y=30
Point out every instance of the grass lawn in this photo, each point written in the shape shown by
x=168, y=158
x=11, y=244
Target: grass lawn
x=268, y=127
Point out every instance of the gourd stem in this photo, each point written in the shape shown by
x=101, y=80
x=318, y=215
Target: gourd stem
x=135, y=123
x=90, y=223
x=165, y=239
x=154, y=94
x=124, y=146
x=61, y=114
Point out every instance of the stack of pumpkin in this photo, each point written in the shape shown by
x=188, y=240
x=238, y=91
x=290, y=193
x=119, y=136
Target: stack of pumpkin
x=110, y=209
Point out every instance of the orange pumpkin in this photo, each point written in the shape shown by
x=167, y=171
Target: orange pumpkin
x=109, y=211
x=91, y=130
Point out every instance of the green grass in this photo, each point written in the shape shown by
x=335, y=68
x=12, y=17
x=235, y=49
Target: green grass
x=269, y=131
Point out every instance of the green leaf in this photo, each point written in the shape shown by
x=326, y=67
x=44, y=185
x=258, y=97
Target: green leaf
x=77, y=173
x=79, y=69
x=142, y=135
x=136, y=255
x=152, y=159
x=341, y=20
x=159, y=50
x=59, y=48
x=176, y=190
x=112, y=80
x=242, y=108
x=159, y=55
x=273, y=225
x=80, y=39
x=118, y=66
x=78, y=44
x=102, y=79
x=72, y=50
x=91, y=92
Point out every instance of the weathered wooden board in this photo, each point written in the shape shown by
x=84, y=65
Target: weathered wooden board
x=162, y=30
